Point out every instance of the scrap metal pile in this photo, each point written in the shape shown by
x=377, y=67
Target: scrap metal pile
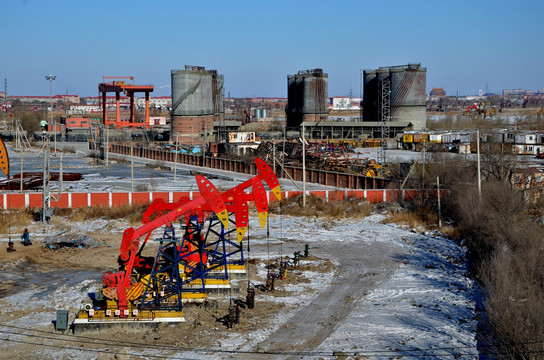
x=329, y=157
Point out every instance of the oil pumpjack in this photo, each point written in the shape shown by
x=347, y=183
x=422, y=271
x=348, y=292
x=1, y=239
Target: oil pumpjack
x=151, y=290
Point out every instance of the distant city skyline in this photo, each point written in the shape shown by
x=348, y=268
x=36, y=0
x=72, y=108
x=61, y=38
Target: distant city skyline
x=465, y=46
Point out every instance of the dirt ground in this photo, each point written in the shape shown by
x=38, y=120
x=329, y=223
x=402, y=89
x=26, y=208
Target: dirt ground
x=203, y=322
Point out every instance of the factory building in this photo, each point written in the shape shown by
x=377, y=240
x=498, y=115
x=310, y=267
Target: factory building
x=197, y=101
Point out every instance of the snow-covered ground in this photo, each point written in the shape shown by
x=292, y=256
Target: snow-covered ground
x=391, y=293
x=420, y=303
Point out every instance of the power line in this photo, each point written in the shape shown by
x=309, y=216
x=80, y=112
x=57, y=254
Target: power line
x=374, y=353
x=106, y=351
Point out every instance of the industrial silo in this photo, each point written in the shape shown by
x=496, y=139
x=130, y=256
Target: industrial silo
x=197, y=98
x=408, y=86
x=192, y=92
x=315, y=92
x=370, y=98
x=307, y=96
x=407, y=95
x=293, y=110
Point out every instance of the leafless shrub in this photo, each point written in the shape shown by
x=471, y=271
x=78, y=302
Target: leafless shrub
x=66, y=212
x=142, y=187
x=508, y=259
x=515, y=308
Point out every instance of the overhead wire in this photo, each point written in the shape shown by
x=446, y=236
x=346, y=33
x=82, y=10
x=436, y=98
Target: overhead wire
x=106, y=351
x=331, y=353
x=374, y=353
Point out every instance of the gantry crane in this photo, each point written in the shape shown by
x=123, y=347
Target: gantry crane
x=117, y=86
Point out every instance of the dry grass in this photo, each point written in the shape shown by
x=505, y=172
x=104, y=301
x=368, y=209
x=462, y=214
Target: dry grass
x=422, y=217
x=450, y=231
x=317, y=206
x=142, y=188
x=11, y=220
x=132, y=213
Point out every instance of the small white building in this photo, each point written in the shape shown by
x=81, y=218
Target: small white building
x=525, y=149
x=157, y=120
x=344, y=103
x=241, y=137
x=526, y=138
x=83, y=109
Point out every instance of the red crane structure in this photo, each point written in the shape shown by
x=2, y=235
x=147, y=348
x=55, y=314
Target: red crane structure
x=117, y=86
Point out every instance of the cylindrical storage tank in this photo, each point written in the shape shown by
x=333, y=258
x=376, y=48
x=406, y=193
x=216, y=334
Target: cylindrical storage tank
x=263, y=113
x=370, y=97
x=381, y=74
x=291, y=86
x=294, y=100
x=408, y=103
x=220, y=94
x=256, y=113
x=315, y=94
x=191, y=126
x=191, y=92
x=310, y=102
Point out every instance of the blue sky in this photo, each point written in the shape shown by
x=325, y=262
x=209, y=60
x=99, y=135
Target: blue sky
x=255, y=44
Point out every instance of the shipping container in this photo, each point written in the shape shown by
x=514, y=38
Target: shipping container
x=467, y=137
x=455, y=137
x=447, y=138
x=435, y=138
x=425, y=137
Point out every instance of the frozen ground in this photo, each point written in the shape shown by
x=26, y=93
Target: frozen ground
x=373, y=291
x=390, y=293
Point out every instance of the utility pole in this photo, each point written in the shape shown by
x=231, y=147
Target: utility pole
x=274, y=157
x=60, y=174
x=107, y=147
x=131, y=169
x=423, y=170
x=479, y=169
x=46, y=195
x=438, y=196
x=303, y=168
x=21, y=150
x=176, y=157
x=51, y=78
x=205, y=143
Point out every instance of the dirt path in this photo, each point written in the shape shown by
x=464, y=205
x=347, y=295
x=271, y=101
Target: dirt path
x=363, y=267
